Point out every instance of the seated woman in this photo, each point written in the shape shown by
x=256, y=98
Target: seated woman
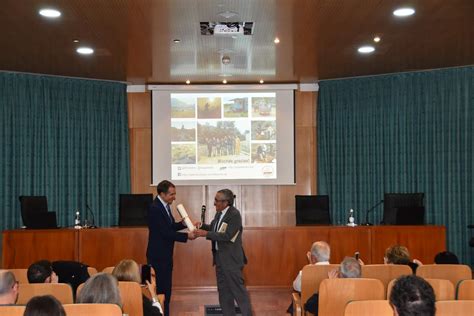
x=399, y=255
x=101, y=288
x=128, y=270
x=46, y=305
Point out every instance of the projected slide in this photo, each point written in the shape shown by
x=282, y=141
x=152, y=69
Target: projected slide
x=223, y=136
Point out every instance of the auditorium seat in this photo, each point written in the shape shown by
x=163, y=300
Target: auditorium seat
x=466, y=290
x=334, y=294
x=368, y=307
x=451, y=272
x=443, y=289
x=108, y=270
x=20, y=274
x=385, y=272
x=12, y=310
x=454, y=308
x=91, y=271
x=311, y=277
x=61, y=291
x=92, y=310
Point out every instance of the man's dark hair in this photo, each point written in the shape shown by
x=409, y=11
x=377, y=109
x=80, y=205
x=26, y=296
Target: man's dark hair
x=228, y=196
x=46, y=305
x=39, y=271
x=446, y=257
x=164, y=186
x=412, y=295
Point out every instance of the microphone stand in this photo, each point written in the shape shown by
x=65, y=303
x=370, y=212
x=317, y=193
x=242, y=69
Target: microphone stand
x=93, y=219
x=370, y=210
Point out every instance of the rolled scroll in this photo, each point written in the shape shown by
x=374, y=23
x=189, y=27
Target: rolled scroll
x=184, y=215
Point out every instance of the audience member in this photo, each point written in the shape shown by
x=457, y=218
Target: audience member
x=446, y=257
x=46, y=305
x=100, y=288
x=411, y=295
x=8, y=288
x=319, y=255
x=42, y=272
x=128, y=270
x=399, y=255
x=350, y=268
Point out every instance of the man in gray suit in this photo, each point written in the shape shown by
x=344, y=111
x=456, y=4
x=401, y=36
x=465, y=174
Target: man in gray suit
x=225, y=233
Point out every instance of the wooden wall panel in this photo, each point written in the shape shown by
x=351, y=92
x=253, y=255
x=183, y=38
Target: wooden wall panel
x=261, y=206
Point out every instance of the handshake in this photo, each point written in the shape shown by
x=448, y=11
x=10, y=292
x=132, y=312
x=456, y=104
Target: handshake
x=197, y=232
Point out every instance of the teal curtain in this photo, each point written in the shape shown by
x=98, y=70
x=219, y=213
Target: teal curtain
x=407, y=132
x=66, y=139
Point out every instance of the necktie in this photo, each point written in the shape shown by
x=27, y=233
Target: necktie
x=169, y=212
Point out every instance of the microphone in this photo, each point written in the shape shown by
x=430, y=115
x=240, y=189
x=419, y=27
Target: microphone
x=203, y=214
x=92, y=225
x=370, y=210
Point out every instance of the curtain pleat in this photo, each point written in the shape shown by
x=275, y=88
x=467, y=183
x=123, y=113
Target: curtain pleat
x=407, y=132
x=66, y=139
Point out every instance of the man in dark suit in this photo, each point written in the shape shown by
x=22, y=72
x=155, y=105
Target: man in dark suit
x=163, y=232
x=225, y=232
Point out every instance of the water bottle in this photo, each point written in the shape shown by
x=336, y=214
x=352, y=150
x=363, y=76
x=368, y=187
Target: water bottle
x=77, y=220
x=351, y=219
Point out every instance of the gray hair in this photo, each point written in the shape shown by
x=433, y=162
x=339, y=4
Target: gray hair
x=350, y=268
x=100, y=288
x=228, y=196
x=7, y=281
x=321, y=251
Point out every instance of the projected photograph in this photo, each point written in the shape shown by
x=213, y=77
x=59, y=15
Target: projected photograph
x=263, y=152
x=183, y=131
x=263, y=106
x=209, y=108
x=236, y=107
x=223, y=142
x=183, y=154
x=263, y=130
x=183, y=106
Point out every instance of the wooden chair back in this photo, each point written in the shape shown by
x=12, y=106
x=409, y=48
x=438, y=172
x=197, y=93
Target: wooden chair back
x=368, y=307
x=466, y=290
x=61, y=291
x=334, y=294
x=311, y=278
x=132, y=300
x=108, y=270
x=443, y=289
x=91, y=271
x=92, y=310
x=454, y=308
x=451, y=272
x=385, y=272
x=12, y=310
x=20, y=274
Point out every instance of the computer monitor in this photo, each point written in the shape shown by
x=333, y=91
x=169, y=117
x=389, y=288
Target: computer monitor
x=133, y=209
x=403, y=209
x=31, y=206
x=312, y=210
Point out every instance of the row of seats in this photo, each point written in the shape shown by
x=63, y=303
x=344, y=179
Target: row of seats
x=383, y=308
x=70, y=309
x=443, y=278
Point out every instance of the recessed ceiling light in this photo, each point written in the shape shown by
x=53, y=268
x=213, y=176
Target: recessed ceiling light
x=261, y=81
x=224, y=81
x=176, y=40
x=401, y=12
x=377, y=39
x=227, y=14
x=366, y=49
x=85, y=50
x=188, y=82
x=276, y=40
x=50, y=13
x=75, y=41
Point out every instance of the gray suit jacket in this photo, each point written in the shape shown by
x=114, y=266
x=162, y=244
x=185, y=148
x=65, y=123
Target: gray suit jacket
x=231, y=253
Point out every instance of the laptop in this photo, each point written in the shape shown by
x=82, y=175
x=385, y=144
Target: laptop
x=43, y=220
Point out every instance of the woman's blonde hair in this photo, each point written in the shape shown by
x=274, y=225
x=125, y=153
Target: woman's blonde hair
x=127, y=270
x=397, y=255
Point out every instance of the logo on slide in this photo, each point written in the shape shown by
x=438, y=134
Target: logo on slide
x=267, y=171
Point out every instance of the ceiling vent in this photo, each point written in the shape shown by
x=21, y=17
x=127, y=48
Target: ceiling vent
x=226, y=28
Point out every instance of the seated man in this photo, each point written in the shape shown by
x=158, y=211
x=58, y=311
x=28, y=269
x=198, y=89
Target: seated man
x=446, y=257
x=319, y=254
x=350, y=268
x=41, y=272
x=8, y=288
x=411, y=295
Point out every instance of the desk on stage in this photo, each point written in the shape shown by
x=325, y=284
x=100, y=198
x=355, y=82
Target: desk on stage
x=275, y=254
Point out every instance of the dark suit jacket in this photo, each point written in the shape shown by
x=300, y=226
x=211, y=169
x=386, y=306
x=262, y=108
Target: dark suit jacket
x=162, y=234
x=231, y=254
